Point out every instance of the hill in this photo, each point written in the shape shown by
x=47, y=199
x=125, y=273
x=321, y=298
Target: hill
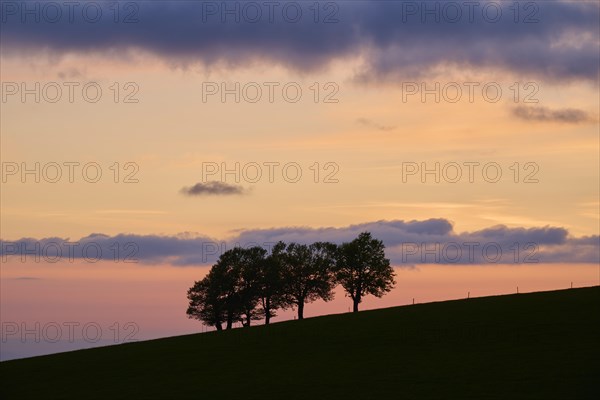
x=527, y=346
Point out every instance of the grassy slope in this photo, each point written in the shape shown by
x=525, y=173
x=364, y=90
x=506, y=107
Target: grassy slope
x=531, y=346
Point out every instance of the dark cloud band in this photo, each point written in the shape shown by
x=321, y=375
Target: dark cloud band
x=554, y=39
x=407, y=243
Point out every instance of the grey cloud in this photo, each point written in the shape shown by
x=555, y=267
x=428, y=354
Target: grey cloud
x=408, y=243
x=566, y=115
x=375, y=125
x=27, y=278
x=561, y=45
x=70, y=73
x=213, y=189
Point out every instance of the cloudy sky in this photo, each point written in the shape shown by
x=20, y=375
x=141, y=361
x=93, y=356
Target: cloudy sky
x=141, y=139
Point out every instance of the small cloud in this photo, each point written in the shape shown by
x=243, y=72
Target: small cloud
x=70, y=73
x=565, y=115
x=213, y=188
x=409, y=267
x=373, y=124
x=139, y=212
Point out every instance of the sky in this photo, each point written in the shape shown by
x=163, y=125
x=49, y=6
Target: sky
x=140, y=139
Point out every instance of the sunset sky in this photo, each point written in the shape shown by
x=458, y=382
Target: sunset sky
x=507, y=97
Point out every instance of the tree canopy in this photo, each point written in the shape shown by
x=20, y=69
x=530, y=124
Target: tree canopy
x=363, y=269
x=249, y=284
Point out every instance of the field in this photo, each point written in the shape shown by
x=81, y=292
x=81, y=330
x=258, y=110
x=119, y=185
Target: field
x=526, y=346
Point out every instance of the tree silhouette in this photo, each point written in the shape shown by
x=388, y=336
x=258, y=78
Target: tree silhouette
x=237, y=271
x=226, y=272
x=362, y=268
x=308, y=274
x=270, y=282
x=247, y=284
x=248, y=270
x=206, y=302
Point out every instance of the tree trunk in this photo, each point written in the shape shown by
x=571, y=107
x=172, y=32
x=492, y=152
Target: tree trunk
x=229, y=321
x=248, y=319
x=356, y=301
x=267, y=311
x=301, y=310
x=218, y=326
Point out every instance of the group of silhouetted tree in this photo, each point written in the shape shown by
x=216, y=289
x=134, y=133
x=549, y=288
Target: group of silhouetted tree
x=249, y=284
